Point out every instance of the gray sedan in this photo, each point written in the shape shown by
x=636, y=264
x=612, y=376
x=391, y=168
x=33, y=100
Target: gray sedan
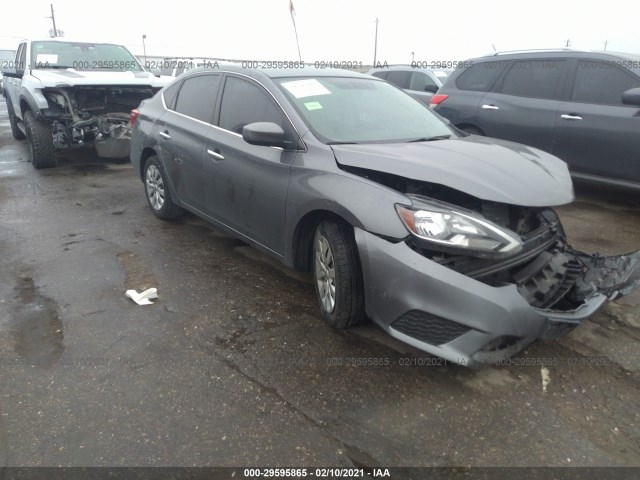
x=446, y=240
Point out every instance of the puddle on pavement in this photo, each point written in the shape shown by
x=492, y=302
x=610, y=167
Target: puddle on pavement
x=37, y=327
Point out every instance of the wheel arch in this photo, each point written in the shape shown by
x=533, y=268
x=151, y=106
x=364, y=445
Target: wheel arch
x=302, y=241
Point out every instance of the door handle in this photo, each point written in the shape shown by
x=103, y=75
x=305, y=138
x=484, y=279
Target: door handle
x=165, y=135
x=571, y=117
x=490, y=107
x=215, y=154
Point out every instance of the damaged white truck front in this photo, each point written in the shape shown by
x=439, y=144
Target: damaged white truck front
x=63, y=94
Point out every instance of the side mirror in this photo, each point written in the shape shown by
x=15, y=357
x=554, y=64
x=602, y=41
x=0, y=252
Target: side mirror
x=13, y=72
x=631, y=97
x=431, y=88
x=266, y=134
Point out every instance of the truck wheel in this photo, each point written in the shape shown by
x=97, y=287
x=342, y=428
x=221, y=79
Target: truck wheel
x=40, y=142
x=157, y=191
x=13, y=121
x=337, y=274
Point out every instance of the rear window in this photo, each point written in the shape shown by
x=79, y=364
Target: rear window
x=481, y=76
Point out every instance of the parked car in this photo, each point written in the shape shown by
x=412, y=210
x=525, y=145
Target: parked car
x=446, y=240
x=66, y=94
x=420, y=83
x=174, y=67
x=583, y=107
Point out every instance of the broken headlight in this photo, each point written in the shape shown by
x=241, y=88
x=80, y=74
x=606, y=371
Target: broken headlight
x=452, y=228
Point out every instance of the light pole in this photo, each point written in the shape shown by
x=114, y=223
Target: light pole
x=375, y=46
x=413, y=56
x=144, y=49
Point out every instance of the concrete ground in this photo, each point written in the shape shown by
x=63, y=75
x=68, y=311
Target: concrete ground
x=233, y=365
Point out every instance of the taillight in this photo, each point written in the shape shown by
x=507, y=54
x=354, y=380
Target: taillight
x=437, y=99
x=134, y=116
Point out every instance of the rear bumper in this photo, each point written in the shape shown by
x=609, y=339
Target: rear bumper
x=453, y=316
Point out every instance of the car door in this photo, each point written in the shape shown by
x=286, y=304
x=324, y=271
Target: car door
x=182, y=132
x=596, y=134
x=523, y=104
x=247, y=184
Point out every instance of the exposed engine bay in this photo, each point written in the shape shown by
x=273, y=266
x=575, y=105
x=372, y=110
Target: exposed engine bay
x=94, y=115
x=548, y=272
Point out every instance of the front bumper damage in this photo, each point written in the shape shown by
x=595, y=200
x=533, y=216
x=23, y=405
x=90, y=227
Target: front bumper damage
x=454, y=316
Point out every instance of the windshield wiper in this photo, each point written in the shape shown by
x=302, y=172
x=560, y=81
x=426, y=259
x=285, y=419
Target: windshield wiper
x=342, y=143
x=430, y=139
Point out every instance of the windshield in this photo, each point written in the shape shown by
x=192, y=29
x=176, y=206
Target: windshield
x=361, y=110
x=82, y=56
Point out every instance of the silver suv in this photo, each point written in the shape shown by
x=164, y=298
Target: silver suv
x=63, y=94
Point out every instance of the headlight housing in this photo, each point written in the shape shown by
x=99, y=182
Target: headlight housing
x=447, y=227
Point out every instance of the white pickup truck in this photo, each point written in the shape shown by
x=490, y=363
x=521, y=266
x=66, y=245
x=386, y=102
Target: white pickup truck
x=65, y=94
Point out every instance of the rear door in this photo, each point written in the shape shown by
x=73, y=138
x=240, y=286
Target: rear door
x=523, y=104
x=247, y=184
x=182, y=132
x=596, y=134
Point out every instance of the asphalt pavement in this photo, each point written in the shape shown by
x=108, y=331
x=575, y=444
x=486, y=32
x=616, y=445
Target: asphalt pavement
x=233, y=366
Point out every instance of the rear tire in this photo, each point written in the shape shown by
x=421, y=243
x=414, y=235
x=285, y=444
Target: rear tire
x=156, y=190
x=40, y=142
x=13, y=121
x=338, y=274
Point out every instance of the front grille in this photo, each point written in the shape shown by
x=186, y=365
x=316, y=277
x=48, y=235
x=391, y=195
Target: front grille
x=547, y=279
x=429, y=328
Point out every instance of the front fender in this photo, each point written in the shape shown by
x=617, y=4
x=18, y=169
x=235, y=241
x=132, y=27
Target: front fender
x=364, y=204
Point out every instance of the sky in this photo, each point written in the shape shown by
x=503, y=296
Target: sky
x=332, y=30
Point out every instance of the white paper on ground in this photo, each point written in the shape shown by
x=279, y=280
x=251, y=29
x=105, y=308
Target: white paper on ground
x=143, y=298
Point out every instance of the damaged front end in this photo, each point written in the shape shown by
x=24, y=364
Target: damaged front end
x=478, y=280
x=93, y=115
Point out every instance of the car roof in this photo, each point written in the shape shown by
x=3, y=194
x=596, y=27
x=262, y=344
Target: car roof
x=405, y=67
x=272, y=73
x=558, y=53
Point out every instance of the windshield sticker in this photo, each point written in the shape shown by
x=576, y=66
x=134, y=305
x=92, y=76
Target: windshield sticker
x=441, y=74
x=306, y=88
x=313, y=106
x=46, y=58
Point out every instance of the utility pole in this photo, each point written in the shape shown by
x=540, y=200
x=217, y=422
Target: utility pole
x=144, y=48
x=53, y=19
x=605, y=45
x=568, y=44
x=375, y=46
x=413, y=56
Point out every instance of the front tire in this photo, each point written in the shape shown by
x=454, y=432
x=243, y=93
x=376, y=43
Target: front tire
x=337, y=274
x=157, y=191
x=42, y=154
x=13, y=121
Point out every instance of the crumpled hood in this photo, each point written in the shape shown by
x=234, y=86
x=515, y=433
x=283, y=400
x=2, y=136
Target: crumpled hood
x=489, y=169
x=71, y=77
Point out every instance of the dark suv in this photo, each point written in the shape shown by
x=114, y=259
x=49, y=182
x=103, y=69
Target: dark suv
x=583, y=107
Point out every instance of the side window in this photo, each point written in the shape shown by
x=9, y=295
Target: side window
x=197, y=97
x=480, y=77
x=399, y=78
x=601, y=82
x=420, y=81
x=533, y=78
x=243, y=103
x=170, y=94
x=381, y=74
